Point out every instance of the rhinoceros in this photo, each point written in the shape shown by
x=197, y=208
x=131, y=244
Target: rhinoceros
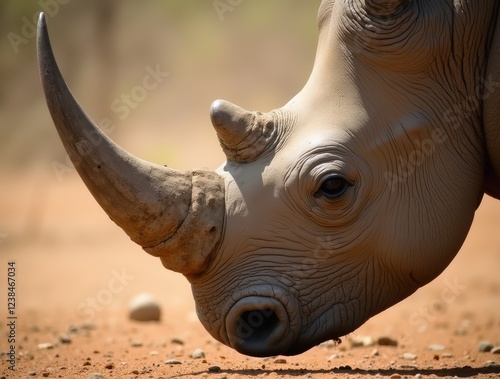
x=334, y=207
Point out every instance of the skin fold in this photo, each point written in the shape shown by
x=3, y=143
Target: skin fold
x=358, y=191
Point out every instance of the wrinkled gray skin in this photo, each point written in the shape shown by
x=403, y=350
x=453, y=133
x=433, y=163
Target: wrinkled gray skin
x=340, y=204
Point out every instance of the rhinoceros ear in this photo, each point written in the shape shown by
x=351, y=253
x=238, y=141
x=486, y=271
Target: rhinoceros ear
x=491, y=115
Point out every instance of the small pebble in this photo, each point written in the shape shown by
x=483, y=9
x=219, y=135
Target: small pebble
x=177, y=341
x=446, y=355
x=198, y=354
x=96, y=375
x=136, y=343
x=435, y=347
x=144, y=307
x=45, y=374
x=495, y=350
x=173, y=362
x=375, y=353
x=418, y=376
x=280, y=361
x=485, y=346
x=45, y=346
x=334, y=356
x=87, y=363
x=395, y=376
x=409, y=356
x=214, y=369
x=64, y=338
x=387, y=341
x=110, y=366
x=360, y=341
x=32, y=373
x=154, y=352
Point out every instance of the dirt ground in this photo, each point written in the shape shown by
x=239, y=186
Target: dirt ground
x=76, y=273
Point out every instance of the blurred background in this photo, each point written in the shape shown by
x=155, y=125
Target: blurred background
x=256, y=53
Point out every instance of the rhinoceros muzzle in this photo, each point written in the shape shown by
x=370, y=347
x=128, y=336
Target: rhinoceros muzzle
x=264, y=324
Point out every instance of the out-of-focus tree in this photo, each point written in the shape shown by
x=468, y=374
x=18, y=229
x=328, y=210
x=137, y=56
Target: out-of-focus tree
x=105, y=13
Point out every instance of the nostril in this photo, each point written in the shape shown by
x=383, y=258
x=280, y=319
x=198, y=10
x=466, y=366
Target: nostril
x=260, y=323
x=259, y=326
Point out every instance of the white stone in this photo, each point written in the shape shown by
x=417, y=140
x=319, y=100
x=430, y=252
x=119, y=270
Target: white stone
x=409, y=356
x=198, y=354
x=144, y=307
x=45, y=346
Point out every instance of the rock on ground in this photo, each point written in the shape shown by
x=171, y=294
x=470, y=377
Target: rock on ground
x=144, y=307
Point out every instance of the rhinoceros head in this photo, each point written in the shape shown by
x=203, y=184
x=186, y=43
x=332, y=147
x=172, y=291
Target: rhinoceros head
x=330, y=209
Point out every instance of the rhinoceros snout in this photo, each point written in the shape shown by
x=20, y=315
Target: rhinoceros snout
x=261, y=326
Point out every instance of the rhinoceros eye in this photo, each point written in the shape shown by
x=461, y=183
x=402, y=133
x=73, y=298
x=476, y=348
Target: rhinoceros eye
x=333, y=187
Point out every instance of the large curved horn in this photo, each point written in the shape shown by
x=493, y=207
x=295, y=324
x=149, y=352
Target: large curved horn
x=175, y=215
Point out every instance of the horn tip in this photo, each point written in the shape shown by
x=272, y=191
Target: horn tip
x=42, y=34
x=219, y=112
x=42, y=24
x=41, y=19
x=226, y=114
